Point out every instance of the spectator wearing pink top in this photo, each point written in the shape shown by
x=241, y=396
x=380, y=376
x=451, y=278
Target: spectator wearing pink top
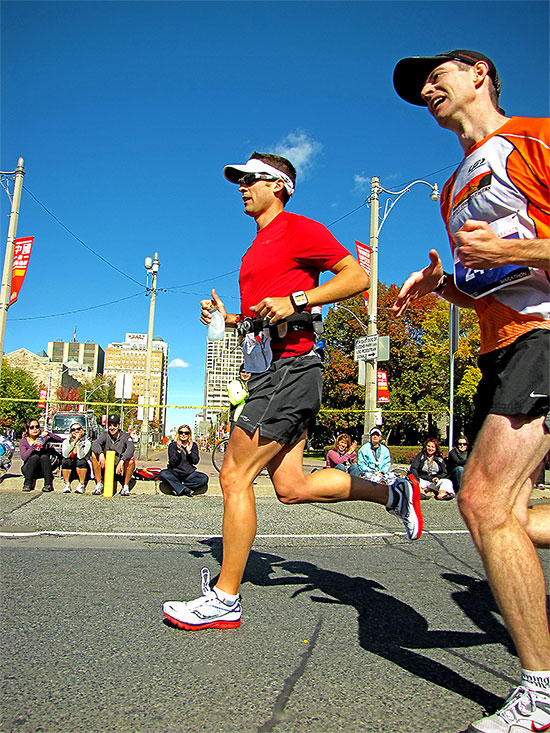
x=342, y=455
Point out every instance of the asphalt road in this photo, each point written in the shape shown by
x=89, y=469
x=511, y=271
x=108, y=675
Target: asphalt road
x=346, y=624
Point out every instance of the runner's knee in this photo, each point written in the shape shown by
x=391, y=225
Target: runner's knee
x=290, y=489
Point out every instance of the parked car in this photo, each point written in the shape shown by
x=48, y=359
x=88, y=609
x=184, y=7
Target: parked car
x=62, y=421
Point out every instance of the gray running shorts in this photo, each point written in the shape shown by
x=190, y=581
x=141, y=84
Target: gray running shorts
x=515, y=380
x=285, y=399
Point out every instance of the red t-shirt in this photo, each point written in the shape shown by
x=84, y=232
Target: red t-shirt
x=287, y=255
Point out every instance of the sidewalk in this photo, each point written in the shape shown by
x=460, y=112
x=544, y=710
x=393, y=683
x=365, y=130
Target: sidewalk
x=13, y=480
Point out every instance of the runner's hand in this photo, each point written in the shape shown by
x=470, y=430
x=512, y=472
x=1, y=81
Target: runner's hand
x=273, y=309
x=206, y=305
x=479, y=248
x=418, y=284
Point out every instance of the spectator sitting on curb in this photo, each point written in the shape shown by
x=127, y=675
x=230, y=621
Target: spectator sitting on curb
x=76, y=450
x=39, y=458
x=374, y=459
x=342, y=454
x=430, y=469
x=120, y=442
x=457, y=460
x=181, y=474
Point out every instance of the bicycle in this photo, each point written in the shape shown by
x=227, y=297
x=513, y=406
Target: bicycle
x=218, y=455
x=7, y=449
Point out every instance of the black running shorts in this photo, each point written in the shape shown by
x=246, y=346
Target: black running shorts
x=515, y=379
x=285, y=399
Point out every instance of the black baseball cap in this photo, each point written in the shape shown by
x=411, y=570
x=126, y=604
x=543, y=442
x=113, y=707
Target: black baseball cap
x=113, y=420
x=410, y=74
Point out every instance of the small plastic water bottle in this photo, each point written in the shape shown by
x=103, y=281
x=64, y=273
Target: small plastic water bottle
x=215, y=330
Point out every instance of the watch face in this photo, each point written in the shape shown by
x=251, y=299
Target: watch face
x=299, y=298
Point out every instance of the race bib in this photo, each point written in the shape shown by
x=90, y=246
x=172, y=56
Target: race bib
x=477, y=283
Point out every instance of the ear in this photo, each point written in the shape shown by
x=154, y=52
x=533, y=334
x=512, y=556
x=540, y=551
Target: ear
x=278, y=185
x=480, y=73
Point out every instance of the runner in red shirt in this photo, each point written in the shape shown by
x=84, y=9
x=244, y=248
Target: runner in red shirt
x=496, y=209
x=279, y=282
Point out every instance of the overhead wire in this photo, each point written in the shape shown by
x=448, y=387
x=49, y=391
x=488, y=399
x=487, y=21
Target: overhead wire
x=175, y=289
x=90, y=249
x=78, y=310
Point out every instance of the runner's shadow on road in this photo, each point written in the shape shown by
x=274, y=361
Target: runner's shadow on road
x=387, y=626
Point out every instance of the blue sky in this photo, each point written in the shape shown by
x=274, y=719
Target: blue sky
x=126, y=113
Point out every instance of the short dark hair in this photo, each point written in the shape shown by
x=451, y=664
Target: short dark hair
x=493, y=94
x=282, y=164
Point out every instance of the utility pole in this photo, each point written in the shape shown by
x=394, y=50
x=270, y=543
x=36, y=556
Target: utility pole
x=5, y=287
x=151, y=265
x=371, y=366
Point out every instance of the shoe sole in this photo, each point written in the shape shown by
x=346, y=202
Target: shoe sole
x=416, y=506
x=220, y=624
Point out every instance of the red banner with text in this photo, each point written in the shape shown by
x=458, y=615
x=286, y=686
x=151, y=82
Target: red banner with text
x=42, y=397
x=363, y=257
x=382, y=386
x=21, y=256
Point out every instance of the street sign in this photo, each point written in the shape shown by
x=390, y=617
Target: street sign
x=366, y=348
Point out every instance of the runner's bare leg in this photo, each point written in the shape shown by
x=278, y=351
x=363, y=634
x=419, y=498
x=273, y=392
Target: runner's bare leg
x=493, y=500
x=246, y=455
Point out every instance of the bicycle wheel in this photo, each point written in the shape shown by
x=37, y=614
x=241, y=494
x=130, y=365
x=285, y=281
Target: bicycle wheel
x=218, y=454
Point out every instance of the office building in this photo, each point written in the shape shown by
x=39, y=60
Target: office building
x=223, y=359
x=128, y=357
x=89, y=356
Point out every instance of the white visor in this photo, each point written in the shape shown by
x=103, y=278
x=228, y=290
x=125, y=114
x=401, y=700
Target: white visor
x=234, y=173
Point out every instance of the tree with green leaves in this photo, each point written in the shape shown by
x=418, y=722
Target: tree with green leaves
x=16, y=384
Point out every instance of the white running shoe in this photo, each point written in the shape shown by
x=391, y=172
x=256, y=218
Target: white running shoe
x=67, y=488
x=80, y=489
x=98, y=489
x=406, y=505
x=523, y=710
x=125, y=490
x=206, y=612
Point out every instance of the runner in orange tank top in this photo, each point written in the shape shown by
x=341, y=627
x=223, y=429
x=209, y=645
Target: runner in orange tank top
x=496, y=210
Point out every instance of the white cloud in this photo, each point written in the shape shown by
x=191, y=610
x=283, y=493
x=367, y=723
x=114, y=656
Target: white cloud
x=300, y=149
x=178, y=364
x=361, y=181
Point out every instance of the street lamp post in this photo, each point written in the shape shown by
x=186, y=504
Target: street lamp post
x=89, y=392
x=152, y=266
x=5, y=287
x=376, y=224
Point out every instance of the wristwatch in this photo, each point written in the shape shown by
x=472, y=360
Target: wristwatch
x=441, y=284
x=299, y=300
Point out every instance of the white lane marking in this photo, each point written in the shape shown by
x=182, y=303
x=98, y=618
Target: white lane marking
x=56, y=533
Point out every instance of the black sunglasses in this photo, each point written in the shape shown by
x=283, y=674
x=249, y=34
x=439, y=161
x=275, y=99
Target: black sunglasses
x=184, y=432
x=34, y=426
x=250, y=178
x=76, y=430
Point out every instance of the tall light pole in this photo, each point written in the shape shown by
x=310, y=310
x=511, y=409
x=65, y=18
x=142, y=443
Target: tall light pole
x=376, y=224
x=8, y=259
x=89, y=392
x=152, y=266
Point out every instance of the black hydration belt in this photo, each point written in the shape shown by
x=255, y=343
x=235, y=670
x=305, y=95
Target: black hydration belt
x=296, y=322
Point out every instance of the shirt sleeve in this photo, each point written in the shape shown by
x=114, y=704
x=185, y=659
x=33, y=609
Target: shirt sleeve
x=316, y=247
x=129, y=449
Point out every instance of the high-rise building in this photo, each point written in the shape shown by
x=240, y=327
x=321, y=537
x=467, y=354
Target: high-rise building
x=223, y=359
x=129, y=356
x=88, y=355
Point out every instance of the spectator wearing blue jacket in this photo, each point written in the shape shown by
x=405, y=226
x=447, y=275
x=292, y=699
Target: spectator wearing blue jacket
x=374, y=460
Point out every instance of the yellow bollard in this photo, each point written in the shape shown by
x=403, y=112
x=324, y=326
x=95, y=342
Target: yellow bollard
x=109, y=477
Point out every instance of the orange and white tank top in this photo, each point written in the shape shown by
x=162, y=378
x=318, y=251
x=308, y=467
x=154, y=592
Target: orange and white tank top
x=504, y=180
